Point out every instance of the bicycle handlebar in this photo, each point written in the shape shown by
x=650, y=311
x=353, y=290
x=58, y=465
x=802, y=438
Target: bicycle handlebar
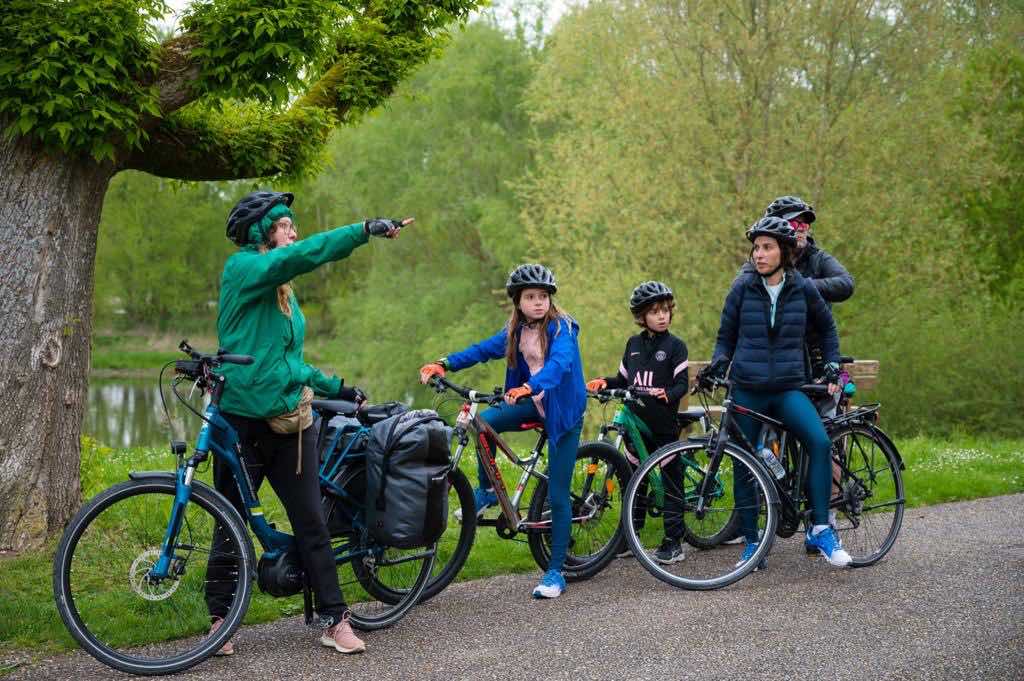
x=608, y=394
x=191, y=367
x=440, y=384
x=497, y=396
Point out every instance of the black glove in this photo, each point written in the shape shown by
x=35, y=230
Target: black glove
x=380, y=226
x=832, y=373
x=351, y=395
x=715, y=370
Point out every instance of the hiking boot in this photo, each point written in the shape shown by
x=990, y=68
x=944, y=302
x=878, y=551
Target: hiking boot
x=552, y=585
x=482, y=499
x=670, y=551
x=827, y=544
x=748, y=553
x=227, y=648
x=342, y=638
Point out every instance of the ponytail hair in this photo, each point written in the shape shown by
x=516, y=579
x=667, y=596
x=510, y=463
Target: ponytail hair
x=284, y=291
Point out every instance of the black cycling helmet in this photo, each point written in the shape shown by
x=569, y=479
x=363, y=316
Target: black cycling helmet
x=647, y=293
x=778, y=228
x=250, y=210
x=789, y=207
x=530, y=276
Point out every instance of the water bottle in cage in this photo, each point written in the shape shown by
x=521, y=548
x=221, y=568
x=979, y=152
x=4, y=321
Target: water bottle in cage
x=765, y=453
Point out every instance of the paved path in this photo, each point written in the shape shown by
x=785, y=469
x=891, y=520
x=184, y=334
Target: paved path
x=947, y=603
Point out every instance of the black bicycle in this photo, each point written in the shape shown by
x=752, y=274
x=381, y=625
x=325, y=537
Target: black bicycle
x=868, y=496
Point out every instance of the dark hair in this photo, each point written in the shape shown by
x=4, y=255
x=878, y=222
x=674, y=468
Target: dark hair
x=640, y=315
x=788, y=253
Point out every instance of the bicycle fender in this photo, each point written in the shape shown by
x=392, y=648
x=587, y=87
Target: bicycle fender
x=892, y=445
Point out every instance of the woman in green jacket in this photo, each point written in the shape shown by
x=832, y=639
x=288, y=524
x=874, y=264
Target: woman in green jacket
x=260, y=316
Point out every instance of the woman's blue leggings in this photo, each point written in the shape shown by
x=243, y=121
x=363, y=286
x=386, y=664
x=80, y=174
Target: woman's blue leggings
x=796, y=411
x=561, y=462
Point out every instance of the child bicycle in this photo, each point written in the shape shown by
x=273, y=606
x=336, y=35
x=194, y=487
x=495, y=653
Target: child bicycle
x=132, y=564
x=595, y=491
x=867, y=494
x=628, y=430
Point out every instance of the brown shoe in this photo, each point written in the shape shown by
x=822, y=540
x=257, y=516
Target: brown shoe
x=227, y=648
x=342, y=638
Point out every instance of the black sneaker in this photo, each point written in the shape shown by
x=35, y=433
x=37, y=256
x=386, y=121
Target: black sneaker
x=670, y=551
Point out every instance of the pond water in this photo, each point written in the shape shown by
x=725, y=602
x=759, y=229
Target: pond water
x=126, y=412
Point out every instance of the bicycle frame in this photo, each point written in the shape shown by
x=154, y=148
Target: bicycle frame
x=470, y=420
x=791, y=488
x=630, y=429
x=218, y=436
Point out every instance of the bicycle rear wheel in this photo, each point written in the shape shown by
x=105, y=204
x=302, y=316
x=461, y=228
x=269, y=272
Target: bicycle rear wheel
x=870, y=500
x=714, y=565
x=595, y=491
x=104, y=592
x=380, y=583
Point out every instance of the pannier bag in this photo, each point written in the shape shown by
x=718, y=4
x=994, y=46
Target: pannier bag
x=407, y=464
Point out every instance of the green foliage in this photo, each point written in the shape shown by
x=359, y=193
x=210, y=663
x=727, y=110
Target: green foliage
x=992, y=99
x=266, y=80
x=255, y=141
x=669, y=130
x=76, y=74
x=262, y=49
x=160, y=250
x=638, y=144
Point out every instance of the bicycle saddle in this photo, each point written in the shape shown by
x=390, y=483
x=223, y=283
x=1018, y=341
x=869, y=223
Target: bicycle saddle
x=332, y=407
x=689, y=417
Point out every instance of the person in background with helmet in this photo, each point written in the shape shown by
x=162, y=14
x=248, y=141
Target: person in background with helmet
x=764, y=326
x=654, y=365
x=260, y=316
x=833, y=281
x=539, y=344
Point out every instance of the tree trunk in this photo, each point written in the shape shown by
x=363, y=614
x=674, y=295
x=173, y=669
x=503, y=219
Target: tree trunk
x=49, y=213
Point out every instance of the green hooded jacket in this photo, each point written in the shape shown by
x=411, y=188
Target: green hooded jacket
x=250, y=323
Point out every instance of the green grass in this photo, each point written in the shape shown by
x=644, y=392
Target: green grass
x=938, y=470
x=127, y=353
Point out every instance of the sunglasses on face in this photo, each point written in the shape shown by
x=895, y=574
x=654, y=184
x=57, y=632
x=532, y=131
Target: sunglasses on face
x=799, y=226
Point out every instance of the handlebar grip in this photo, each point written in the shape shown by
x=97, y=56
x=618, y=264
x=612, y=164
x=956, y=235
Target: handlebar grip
x=814, y=389
x=236, y=359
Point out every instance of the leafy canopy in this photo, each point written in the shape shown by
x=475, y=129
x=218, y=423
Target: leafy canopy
x=77, y=74
x=249, y=88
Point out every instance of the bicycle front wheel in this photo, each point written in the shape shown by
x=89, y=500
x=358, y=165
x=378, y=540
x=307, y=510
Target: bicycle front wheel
x=380, y=583
x=681, y=499
x=595, y=494
x=129, y=620
x=455, y=544
x=868, y=493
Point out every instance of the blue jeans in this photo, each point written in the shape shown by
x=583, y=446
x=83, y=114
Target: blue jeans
x=561, y=462
x=796, y=411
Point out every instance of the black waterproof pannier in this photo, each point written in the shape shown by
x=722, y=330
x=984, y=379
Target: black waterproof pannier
x=407, y=464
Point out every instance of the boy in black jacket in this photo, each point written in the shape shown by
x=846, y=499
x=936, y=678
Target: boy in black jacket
x=654, y=365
